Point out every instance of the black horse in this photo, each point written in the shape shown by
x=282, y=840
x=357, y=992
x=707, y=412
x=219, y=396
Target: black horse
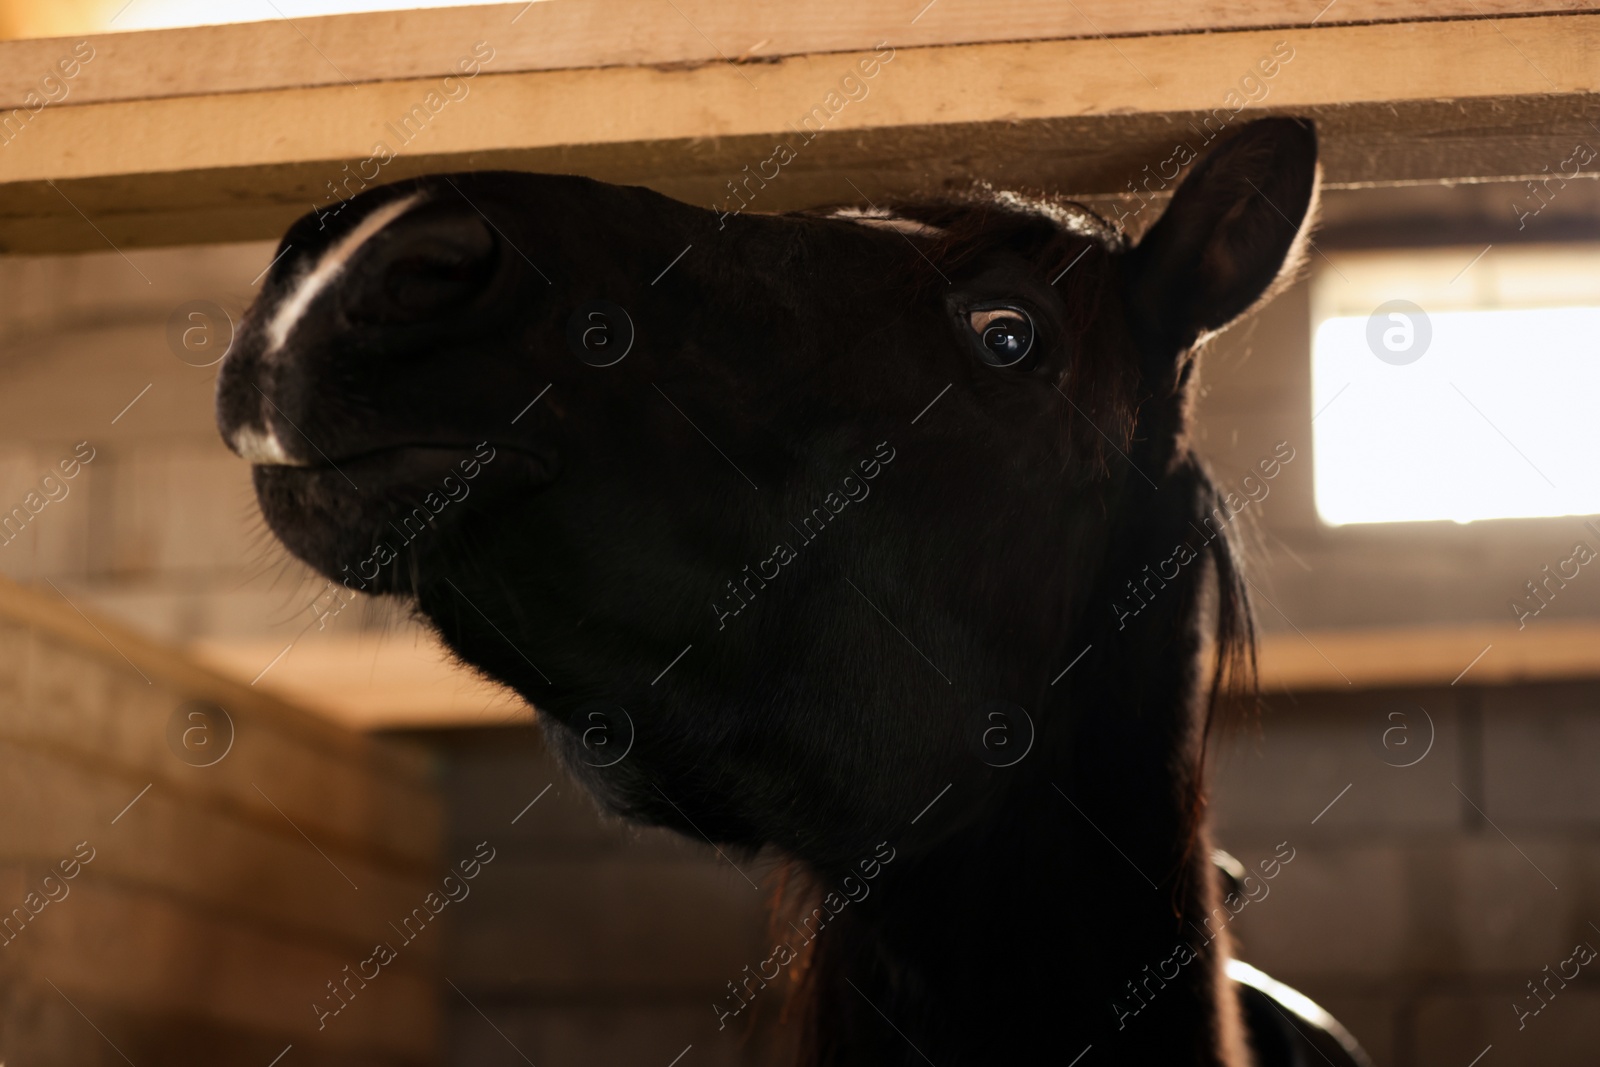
x=834, y=522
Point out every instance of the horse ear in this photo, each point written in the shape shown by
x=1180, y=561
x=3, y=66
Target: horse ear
x=1232, y=231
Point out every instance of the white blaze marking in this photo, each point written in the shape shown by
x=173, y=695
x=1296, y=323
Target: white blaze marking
x=882, y=220
x=260, y=447
x=328, y=267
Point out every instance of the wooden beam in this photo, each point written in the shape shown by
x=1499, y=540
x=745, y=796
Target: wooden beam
x=367, y=683
x=1462, y=654
x=1435, y=101
x=426, y=43
x=141, y=660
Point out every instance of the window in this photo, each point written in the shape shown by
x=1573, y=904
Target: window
x=156, y=14
x=1456, y=383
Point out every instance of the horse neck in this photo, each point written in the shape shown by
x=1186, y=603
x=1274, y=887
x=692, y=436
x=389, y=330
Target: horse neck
x=1055, y=922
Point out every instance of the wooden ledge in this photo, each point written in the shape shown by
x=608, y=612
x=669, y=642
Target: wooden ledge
x=1464, y=654
x=426, y=42
x=161, y=153
x=128, y=650
x=373, y=681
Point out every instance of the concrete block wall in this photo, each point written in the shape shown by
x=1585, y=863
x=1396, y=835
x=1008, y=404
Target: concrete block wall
x=1446, y=849
x=162, y=534
x=590, y=941
x=160, y=528
x=1440, y=881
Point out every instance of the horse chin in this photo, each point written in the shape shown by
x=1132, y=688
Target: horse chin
x=643, y=792
x=369, y=520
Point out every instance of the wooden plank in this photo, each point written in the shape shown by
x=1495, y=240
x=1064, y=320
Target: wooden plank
x=428, y=43
x=134, y=656
x=148, y=955
x=366, y=682
x=50, y=1032
x=370, y=687
x=98, y=714
x=1441, y=100
x=230, y=889
x=260, y=874
x=424, y=692
x=1547, y=650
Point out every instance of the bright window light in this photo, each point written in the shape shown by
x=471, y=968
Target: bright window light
x=1449, y=387
x=161, y=14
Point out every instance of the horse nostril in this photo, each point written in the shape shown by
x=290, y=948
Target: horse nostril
x=430, y=261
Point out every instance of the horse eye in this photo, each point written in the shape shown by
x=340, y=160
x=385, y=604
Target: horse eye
x=1004, y=335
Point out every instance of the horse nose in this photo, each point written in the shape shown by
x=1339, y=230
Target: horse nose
x=428, y=262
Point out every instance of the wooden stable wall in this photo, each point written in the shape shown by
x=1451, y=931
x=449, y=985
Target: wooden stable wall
x=156, y=910
x=228, y=133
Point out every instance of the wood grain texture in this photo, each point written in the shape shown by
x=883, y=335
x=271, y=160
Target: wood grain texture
x=260, y=874
x=400, y=45
x=151, y=956
x=95, y=715
x=1378, y=657
x=367, y=683
x=132, y=655
x=1437, y=101
x=214, y=898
